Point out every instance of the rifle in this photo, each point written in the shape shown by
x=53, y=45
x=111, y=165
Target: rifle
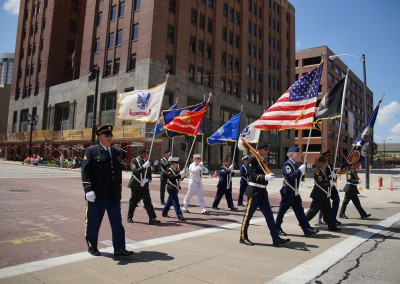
x=257, y=155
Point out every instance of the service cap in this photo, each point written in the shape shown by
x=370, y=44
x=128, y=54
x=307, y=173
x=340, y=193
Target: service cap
x=105, y=129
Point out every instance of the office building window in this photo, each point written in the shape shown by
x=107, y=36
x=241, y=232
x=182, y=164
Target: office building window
x=110, y=40
x=137, y=5
x=135, y=31
x=99, y=18
x=119, y=37
x=113, y=13
x=132, y=62
x=121, y=10
x=170, y=33
x=172, y=6
x=116, y=66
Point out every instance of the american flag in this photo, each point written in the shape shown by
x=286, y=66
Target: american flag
x=295, y=109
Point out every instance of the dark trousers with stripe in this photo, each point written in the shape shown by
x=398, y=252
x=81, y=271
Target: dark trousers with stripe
x=289, y=199
x=138, y=194
x=335, y=203
x=243, y=186
x=221, y=192
x=173, y=200
x=356, y=202
x=253, y=203
x=323, y=205
x=94, y=216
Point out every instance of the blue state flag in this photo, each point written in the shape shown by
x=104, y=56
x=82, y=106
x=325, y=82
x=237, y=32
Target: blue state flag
x=359, y=151
x=169, y=115
x=227, y=132
x=159, y=127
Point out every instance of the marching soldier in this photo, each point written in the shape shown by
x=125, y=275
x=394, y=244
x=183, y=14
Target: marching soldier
x=163, y=175
x=334, y=192
x=320, y=195
x=173, y=187
x=102, y=183
x=244, y=178
x=196, y=170
x=290, y=193
x=258, y=198
x=139, y=185
x=352, y=194
x=224, y=186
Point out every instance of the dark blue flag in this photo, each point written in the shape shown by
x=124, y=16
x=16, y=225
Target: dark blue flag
x=227, y=132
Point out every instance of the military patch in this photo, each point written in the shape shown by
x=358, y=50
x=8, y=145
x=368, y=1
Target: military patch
x=133, y=166
x=349, y=176
x=85, y=158
x=288, y=169
x=319, y=178
x=317, y=172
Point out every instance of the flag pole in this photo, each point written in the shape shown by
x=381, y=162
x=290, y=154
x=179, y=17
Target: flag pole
x=154, y=129
x=202, y=135
x=173, y=138
x=341, y=117
x=236, y=141
x=309, y=133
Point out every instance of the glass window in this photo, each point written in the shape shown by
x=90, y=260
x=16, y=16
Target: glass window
x=116, y=66
x=110, y=40
x=172, y=6
x=132, y=62
x=119, y=37
x=97, y=45
x=113, y=13
x=121, y=10
x=170, y=33
x=137, y=5
x=99, y=18
x=135, y=31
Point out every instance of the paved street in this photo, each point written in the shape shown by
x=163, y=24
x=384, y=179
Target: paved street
x=42, y=241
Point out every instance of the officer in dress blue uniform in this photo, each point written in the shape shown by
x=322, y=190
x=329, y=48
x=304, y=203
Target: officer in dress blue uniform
x=224, y=186
x=139, y=184
x=334, y=192
x=102, y=183
x=290, y=196
x=244, y=178
x=352, y=194
x=320, y=195
x=163, y=175
x=173, y=186
x=258, y=198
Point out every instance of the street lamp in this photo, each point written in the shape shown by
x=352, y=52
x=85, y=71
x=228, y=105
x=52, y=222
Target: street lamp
x=96, y=71
x=32, y=120
x=365, y=110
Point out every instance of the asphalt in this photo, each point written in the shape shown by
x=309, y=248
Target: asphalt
x=214, y=255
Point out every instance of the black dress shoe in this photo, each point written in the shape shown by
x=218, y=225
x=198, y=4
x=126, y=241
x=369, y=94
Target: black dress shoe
x=122, y=252
x=241, y=204
x=343, y=216
x=337, y=222
x=310, y=232
x=234, y=209
x=366, y=216
x=129, y=220
x=181, y=218
x=162, y=203
x=154, y=221
x=280, y=241
x=94, y=251
x=334, y=229
x=215, y=207
x=246, y=242
x=281, y=232
x=166, y=216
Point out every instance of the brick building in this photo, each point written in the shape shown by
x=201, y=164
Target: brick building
x=353, y=118
x=240, y=50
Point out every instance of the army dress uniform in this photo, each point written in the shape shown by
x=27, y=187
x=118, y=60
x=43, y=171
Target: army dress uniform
x=291, y=181
x=173, y=187
x=244, y=180
x=102, y=174
x=351, y=193
x=224, y=187
x=138, y=191
x=163, y=178
x=257, y=194
x=320, y=195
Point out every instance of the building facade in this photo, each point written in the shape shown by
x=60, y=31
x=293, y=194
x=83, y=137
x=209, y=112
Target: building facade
x=241, y=51
x=353, y=117
x=6, y=67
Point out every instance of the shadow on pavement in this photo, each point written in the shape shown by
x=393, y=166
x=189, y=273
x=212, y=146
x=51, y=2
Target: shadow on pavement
x=141, y=256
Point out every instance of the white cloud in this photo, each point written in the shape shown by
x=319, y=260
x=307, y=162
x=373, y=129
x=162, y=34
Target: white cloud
x=12, y=6
x=298, y=44
x=388, y=113
x=395, y=134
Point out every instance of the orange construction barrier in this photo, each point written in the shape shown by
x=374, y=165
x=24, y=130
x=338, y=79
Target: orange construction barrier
x=380, y=181
x=215, y=174
x=391, y=183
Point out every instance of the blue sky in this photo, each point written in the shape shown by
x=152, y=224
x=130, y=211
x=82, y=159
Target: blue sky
x=345, y=26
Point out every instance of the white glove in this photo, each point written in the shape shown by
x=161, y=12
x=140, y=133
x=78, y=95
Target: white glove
x=333, y=175
x=90, y=196
x=331, y=183
x=360, y=181
x=201, y=164
x=146, y=165
x=269, y=177
x=182, y=173
x=143, y=182
x=230, y=167
x=302, y=169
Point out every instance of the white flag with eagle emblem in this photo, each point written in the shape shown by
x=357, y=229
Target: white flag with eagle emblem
x=141, y=105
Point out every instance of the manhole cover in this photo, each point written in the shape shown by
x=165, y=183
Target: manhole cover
x=394, y=202
x=19, y=190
